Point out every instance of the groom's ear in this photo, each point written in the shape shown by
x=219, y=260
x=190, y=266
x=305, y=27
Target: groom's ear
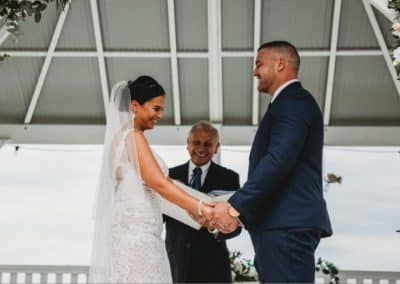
x=281, y=64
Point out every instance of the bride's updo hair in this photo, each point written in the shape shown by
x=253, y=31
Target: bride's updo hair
x=145, y=88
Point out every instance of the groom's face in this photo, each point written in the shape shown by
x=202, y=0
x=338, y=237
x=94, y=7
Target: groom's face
x=265, y=69
x=202, y=145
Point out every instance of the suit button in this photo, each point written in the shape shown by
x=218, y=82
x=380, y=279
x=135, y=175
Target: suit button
x=188, y=245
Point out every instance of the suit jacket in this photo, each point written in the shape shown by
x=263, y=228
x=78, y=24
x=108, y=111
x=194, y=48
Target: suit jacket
x=284, y=186
x=199, y=256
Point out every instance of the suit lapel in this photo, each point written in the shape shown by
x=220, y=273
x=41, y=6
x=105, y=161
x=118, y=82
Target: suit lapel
x=182, y=175
x=209, y=178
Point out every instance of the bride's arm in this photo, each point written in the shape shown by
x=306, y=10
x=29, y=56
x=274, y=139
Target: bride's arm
x=154, y=178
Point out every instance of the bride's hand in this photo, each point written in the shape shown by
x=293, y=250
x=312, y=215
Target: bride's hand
x=208, y=211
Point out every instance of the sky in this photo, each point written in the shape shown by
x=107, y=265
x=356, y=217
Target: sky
x=47, y=194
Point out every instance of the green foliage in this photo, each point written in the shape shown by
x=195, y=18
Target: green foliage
x=328, y=268
x=3, y=56
x=394, y=4
x=14, y=12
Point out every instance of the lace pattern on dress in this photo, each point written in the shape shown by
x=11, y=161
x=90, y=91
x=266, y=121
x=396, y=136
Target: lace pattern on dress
x=137, y=249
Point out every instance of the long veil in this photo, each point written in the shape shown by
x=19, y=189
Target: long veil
x=119, y=120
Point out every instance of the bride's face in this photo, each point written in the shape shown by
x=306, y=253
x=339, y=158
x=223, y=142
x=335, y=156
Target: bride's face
x=149, y=113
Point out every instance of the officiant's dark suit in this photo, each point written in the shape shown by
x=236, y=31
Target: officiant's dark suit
x=200, y=256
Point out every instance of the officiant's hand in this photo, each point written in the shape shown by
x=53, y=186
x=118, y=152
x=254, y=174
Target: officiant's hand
x=222, y=220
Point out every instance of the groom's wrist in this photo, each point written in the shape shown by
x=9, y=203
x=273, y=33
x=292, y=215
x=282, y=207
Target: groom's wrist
x=233, y=212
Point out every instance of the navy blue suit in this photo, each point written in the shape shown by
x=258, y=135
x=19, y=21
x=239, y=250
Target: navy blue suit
x=282, y=204
x=198, y=256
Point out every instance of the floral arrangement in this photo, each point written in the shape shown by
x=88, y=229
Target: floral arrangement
x=14, y=12
x=243, y=269
x=328, y=268
x=395, y=5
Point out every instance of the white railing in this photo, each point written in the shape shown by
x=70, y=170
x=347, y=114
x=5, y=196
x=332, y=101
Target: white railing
x=43, y=274
x=356, y=276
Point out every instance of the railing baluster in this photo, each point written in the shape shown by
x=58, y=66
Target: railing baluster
x=43, y=278
x=59, y=278
x=28, y=277
x=74, y=278
x=13, y=277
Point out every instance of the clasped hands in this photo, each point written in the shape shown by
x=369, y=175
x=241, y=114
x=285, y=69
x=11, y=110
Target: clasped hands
x=215, y=216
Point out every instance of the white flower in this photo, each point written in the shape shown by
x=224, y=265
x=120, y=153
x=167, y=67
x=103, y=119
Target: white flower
x=237, y=266
x=396, y=55
x=396, y=26
x=252, y=272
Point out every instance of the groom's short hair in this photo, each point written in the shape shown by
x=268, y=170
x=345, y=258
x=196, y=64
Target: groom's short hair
x=284, y=47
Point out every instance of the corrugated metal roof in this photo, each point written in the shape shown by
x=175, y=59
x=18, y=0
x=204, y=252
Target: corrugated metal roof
x=135, y=37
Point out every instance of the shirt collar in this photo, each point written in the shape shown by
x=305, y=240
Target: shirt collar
x=204, y=168
x=281, y=87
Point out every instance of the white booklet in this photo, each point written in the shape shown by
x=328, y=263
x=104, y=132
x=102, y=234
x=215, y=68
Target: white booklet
x=174, y=211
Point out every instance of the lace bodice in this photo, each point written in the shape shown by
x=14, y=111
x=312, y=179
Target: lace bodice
x=138, y=250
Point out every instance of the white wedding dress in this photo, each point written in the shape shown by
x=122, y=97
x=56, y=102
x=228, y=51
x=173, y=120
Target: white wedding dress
x=138, y=251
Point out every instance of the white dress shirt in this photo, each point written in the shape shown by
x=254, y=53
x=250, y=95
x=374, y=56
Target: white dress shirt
x=204, y=170
x=281, y=87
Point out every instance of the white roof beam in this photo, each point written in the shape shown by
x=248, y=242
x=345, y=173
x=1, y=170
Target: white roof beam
x=184, y=54
x=332, y=61
x=214, y=61
x=382, y=44
x=174, y=62
x=3, y=34
x=100, y=52
x=46, y=64
x=176, y=135
x=256, y=45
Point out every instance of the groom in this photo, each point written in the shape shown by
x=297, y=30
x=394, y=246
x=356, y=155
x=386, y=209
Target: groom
x=281, y=204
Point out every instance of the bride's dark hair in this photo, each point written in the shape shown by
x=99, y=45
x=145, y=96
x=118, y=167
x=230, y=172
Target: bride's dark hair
x=145, y=88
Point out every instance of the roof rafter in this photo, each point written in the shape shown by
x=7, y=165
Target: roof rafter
x=183, y=54
x=332, y=61
x=46, y=64
x=176, y=135
x=256, y=44
x=100, y=53
x=174, y=62
x=214, y=61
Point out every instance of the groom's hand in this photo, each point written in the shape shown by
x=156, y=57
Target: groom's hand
x=222, y=220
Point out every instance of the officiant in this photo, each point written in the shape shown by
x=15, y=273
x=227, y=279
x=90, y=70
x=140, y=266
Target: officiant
x=200, y=256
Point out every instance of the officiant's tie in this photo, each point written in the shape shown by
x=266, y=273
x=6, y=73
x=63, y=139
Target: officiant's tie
x=196, y=178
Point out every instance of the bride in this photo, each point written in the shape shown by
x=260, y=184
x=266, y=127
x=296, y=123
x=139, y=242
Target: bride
x=128, y=247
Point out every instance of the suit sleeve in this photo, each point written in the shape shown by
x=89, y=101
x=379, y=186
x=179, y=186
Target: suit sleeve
x=289, y=131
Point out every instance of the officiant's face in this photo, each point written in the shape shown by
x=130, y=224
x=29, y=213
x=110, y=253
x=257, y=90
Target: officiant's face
x=149, y=113
x=266, y=70
x=202, y=145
